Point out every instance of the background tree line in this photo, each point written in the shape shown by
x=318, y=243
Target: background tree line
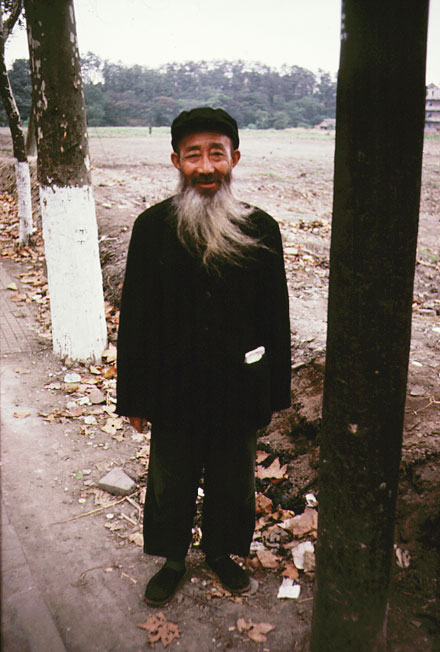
x=257, y=95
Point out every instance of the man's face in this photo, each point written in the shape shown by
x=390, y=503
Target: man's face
x=205, y=161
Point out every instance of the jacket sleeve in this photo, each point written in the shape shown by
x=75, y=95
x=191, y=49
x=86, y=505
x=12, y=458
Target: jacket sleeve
x=134, y=332
x=274, y=317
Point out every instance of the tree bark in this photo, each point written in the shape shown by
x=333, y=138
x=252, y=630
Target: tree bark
x=18, y=144
x=66, y=195
x=31, y=136
x=378, y=160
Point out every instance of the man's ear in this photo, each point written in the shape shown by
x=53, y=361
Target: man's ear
x=235, y=157
x=175, y=159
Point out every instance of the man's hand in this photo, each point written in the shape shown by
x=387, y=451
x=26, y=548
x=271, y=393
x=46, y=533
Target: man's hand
x=138, y=423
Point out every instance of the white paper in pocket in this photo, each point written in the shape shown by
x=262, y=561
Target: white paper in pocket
x=255, y=355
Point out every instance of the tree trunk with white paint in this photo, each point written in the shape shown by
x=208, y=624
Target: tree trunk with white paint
x=66, y=195
x=18, y=145
x=31, y=138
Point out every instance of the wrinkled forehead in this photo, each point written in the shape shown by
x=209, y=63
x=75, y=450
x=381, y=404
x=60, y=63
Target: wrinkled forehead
x=205, y=140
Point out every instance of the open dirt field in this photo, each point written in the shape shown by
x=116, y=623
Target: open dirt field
x=289, y=174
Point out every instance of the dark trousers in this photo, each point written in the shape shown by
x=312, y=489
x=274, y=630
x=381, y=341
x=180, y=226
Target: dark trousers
x=178, y=458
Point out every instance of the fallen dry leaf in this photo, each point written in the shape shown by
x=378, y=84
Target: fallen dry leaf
x=305, y=523
x=267, y=559
x=160, y=629
x=110, y=372
x=21, y=414
x=110, y=354
x=263, y=504
x=137, y=538
x=290, y=571
x=19, y=297
x=261, y=456
x=273, y=471
x=112, y=425
x=256, y=631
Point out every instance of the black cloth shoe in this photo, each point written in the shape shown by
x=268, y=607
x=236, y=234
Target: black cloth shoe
x=162, y=586
x=230, y=574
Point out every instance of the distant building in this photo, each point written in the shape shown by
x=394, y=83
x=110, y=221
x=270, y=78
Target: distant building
x=327, y=123
x=432, y=110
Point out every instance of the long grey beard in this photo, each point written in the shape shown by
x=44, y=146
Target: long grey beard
x=211, y=226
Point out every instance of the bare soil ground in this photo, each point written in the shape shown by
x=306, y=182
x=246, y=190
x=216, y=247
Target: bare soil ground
x=289, y=174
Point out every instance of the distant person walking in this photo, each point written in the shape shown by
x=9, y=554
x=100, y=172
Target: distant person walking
x=203, y=352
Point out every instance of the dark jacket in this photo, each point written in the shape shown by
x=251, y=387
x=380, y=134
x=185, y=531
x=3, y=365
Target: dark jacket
x=184, y=332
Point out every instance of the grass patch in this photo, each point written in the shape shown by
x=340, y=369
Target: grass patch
x=126, y=132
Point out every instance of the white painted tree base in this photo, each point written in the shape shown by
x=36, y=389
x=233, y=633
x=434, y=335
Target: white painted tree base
x=74, y=272
x=23, y=179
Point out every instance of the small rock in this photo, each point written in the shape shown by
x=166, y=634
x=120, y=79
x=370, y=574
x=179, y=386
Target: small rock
x=96, y=396
x=117, y=482
x=417, y=390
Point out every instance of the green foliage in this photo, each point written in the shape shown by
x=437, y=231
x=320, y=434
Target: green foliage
x=19, y=76
x=256, y=95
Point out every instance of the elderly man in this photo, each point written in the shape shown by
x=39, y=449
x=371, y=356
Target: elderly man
x=203, y=352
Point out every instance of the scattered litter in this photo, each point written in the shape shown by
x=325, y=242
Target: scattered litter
x=311, y=500
x=301, y=560
x=72, y=378
x=288, y=589
x=403, y=557
x=257, y=545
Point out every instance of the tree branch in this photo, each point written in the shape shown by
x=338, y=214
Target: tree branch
x=9, y=23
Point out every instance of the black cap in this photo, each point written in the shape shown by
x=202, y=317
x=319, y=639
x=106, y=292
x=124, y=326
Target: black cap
x=203, y=118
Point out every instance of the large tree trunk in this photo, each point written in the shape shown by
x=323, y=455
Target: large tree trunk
x=67, y=204
x=379, y=139
x=21, y=163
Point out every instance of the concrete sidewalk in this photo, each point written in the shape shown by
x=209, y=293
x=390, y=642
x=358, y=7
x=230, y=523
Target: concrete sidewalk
x=27, y=623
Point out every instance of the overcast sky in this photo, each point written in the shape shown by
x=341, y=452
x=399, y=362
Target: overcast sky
x=274, y=32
